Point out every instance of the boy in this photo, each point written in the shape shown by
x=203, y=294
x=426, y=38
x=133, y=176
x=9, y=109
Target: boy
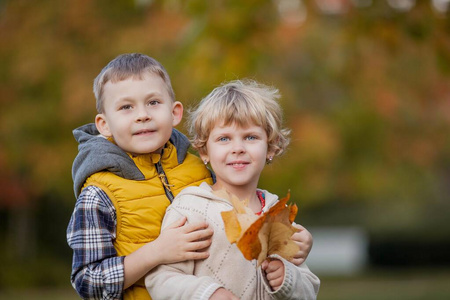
x=125, y=182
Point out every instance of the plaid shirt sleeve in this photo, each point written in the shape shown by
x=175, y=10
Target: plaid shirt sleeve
x=97, y=271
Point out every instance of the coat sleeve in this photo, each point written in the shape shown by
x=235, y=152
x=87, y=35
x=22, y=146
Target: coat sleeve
x=299, y=282
x=177, y=280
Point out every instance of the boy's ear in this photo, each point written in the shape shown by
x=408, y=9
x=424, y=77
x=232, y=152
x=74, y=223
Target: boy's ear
x=177, y=113
x=102, y=125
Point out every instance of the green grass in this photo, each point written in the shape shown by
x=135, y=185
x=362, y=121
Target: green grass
x=40, y=294
x=394, y=284
x=384, y=284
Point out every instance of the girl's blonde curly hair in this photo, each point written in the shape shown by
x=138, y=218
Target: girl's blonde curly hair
x=240, y=102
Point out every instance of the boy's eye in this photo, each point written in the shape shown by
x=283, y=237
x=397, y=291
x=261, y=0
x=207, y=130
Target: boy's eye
x=153, y=102
x=125, y=107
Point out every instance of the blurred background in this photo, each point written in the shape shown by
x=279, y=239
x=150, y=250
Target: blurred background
x=366, y=92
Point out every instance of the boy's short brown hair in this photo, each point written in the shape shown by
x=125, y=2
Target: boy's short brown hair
x=128, y=65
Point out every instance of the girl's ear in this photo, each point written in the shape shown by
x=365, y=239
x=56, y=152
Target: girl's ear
x=204, y=156
x=270, y=155
x=102, y=125
x=177, y=113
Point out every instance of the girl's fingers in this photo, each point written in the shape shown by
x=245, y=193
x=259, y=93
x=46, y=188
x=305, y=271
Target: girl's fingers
x=276, y=283
x=274, y=266
x=264, y=265
x=273, y=275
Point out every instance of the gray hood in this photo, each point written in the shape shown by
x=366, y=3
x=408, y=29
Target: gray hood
x=96, y=153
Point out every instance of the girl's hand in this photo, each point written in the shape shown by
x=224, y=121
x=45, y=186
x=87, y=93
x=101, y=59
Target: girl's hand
x=181, y=241
x=304, y=240
x=274, y=270
x=223, y=294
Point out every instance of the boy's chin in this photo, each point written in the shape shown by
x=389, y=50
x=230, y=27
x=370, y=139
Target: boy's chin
x=147, y=151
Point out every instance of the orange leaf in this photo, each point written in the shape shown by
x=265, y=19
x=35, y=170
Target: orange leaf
x=258, y=237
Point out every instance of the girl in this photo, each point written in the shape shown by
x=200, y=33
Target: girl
x=237, y=129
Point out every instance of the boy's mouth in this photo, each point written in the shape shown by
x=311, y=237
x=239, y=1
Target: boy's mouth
x=144, y=131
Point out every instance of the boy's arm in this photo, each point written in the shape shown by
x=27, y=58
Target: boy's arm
x=97, y=271
x=178, y=242
x=176, y=280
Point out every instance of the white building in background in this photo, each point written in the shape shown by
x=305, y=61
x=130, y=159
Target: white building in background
x=338, y=251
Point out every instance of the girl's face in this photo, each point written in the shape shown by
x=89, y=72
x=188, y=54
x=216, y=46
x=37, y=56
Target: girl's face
x=237, y=155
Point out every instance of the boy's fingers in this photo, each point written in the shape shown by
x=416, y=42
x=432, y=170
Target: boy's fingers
x=199, y=245
x=178, y=223
x=300, y=254
x=197, y=255
x=298, y=261
x=298, y=226
x=200, y=234
x=195, y=226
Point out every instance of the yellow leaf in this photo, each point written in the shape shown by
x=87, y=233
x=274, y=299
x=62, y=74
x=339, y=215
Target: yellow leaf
x=232, y=226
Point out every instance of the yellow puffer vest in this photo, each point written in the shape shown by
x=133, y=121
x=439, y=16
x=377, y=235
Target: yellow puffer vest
x=141, y=205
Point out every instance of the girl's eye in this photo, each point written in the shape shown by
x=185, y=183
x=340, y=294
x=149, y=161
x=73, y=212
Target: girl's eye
x=223, y=139
x=252, y=137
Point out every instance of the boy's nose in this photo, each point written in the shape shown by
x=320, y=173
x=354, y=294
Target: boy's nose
x=143, y=116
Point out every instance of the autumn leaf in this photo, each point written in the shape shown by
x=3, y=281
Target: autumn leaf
x=257, y=237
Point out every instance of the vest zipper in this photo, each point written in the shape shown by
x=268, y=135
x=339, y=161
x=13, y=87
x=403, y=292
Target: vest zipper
x=165, y=182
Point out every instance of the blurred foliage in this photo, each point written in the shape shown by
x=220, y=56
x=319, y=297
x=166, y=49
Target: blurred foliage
x=366, y=94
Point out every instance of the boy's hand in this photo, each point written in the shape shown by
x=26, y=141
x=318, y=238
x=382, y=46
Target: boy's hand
x=223, y=294
x=304, y=240
x=274, y=270
x=180, y=241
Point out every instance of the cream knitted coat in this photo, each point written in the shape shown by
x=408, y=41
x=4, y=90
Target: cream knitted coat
x=226, y=266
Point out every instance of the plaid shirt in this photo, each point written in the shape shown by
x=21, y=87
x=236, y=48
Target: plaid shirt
x=97, y=271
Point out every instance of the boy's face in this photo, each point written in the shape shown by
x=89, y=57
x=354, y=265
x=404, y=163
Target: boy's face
x=237, y=155
x=139, y=114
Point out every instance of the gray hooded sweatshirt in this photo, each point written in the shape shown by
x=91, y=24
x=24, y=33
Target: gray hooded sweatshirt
x=96, y=153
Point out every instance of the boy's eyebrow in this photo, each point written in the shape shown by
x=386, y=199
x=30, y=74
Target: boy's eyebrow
x=149, y=95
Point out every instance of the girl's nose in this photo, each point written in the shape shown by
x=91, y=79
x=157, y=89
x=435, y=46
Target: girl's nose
x=238, y=147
